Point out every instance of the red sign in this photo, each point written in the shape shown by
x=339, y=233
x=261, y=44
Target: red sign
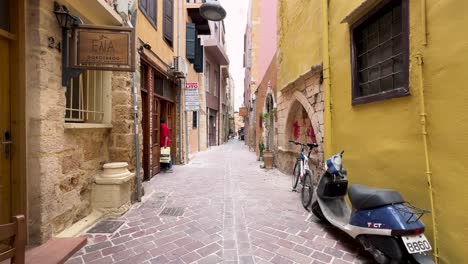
x=191, y=85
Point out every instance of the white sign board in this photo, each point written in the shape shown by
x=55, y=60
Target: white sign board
x=192, y=102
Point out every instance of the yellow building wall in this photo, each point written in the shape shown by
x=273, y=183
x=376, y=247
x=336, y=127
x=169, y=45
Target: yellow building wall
x=152, y=35
x=299, y=39
x=383, y=140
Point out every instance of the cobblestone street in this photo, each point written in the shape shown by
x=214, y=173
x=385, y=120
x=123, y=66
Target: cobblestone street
x=225, y=209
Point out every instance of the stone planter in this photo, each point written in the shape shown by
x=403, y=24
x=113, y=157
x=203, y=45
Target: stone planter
x=268, y=157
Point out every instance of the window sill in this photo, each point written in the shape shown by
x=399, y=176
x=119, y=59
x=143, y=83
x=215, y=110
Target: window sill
x=399, y=92
x=85, y=126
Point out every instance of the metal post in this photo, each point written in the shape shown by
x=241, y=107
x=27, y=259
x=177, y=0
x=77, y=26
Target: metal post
x=137, y=140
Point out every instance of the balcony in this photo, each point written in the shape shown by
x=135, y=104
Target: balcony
x=97, y=11
x=216, y=49
x=201, y=24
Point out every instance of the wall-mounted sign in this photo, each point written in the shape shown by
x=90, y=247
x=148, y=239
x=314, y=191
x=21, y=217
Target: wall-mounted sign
x=192, y=103
x=243, y=111
x=105, y=48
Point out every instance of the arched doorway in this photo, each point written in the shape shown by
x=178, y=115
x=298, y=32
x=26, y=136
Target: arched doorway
x=269, y=122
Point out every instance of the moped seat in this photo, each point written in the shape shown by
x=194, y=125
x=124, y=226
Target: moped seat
x=364, y=197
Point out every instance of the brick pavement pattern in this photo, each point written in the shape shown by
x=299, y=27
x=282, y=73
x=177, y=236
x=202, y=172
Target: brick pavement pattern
x=232, y=212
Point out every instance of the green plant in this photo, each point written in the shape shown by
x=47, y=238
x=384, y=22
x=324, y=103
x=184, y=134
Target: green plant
x=261, y=147
x=266, y=119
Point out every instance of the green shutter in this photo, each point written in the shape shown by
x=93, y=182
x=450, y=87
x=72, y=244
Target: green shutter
x=191, y=35
x=168, y=21
x=198, y=64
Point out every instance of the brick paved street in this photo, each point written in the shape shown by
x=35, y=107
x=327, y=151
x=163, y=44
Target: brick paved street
x=233, y=212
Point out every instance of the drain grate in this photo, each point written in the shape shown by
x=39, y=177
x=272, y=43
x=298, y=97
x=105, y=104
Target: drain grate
x=106, y=226
x=173, y=211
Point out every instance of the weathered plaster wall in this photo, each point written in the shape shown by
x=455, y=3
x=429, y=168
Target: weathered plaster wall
x=383, y=140
x=299, y=38
x=267, y=86
x=268, y=35
x=62, y=161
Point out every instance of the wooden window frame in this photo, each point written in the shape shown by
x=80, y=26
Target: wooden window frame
x=398, y=92
x=154, y=23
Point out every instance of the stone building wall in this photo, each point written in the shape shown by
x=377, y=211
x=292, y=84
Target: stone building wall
x=63, y=161
x=300, y=117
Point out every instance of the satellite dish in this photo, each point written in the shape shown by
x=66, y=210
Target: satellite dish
x=212, y=10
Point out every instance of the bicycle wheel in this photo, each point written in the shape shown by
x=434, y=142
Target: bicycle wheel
x=295, y=175
x=307, y=190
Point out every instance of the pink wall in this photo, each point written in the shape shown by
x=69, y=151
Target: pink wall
x=268, y=28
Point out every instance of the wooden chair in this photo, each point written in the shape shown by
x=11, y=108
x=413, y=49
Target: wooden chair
x=54, y=251
x=15, y=250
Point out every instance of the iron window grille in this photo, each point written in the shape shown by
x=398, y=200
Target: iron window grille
x=85, y=98
x=380, y=53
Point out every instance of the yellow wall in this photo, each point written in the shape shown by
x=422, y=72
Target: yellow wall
x=154, y=36
x=299, y=44
x=383, y=140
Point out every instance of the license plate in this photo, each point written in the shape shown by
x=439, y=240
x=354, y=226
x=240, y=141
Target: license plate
x=416, y=244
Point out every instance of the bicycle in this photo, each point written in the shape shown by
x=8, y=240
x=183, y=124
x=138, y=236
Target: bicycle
x=303, y=173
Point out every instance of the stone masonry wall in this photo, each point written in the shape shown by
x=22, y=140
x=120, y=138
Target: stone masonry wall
x=62, y=162
x=304, y=95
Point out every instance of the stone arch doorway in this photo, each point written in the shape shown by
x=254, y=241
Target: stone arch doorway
x=269, y=123
x=302, y=121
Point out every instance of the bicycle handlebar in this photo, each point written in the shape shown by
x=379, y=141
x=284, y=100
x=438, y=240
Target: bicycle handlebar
x=313, y=145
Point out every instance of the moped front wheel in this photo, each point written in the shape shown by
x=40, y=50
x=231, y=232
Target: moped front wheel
x=307, y=191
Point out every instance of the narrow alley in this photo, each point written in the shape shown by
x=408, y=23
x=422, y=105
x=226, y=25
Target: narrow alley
x=225, y=209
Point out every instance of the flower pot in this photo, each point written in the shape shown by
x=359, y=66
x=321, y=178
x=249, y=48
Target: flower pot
x=268, y=159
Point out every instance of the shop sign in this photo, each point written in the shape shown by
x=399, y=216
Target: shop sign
x=106, y=48
x=192, y=102
x=243, y=111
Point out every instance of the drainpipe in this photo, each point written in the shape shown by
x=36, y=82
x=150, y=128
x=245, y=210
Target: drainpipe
x=423, y=22
x=137, y=140
x=135, y=114
x=326, y=81
x=181, y=84
x=423, y=115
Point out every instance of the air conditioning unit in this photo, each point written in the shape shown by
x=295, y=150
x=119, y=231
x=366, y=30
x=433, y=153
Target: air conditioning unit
x=180, y=66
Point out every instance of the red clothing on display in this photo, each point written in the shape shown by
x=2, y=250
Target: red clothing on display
x=164, y=134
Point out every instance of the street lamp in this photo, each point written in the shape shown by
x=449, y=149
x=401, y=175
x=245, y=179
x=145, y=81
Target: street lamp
x=212, y=10
x=64, y=18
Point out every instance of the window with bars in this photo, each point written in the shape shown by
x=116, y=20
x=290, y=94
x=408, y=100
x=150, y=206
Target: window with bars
x=380, y=53
x=85, y=97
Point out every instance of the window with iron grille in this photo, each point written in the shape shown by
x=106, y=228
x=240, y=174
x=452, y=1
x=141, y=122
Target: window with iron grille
x=380, y=53
x=86, y=97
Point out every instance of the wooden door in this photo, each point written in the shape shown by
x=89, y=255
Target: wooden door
x=155, y=134
x=170, y=117
x=145, y=125
x=5, y=134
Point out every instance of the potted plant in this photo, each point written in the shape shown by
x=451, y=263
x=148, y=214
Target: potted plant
x=261, y=148
x=268, y=154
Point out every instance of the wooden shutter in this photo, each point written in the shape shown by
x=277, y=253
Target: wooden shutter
x=168, y=21
x=191, y=35
x=198, y=64
x=143, y=4
x=152, y=11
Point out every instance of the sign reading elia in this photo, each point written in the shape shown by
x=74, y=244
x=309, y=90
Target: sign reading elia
x=104, y=48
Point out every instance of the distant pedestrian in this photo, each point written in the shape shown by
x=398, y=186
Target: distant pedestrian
x=165, y=146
